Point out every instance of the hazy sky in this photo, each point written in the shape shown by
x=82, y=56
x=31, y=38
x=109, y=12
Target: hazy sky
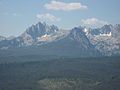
x=17, y=15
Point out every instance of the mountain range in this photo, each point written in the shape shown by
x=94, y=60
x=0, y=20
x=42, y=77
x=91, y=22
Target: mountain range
x=79, y=41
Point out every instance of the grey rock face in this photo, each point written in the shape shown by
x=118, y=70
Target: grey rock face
x=105, y=40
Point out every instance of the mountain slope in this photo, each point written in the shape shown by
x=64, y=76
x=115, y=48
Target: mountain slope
x=79, y=41
x=30, y=36
x=74, y=44
x=106, y=39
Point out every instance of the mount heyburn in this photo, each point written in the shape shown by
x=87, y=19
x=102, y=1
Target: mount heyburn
x=79, y=41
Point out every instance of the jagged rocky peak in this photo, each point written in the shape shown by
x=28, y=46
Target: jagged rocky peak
x=105, y=39
x=40, y=29
x=35, y=33
x=77, y=31
x=107, y=26
x=106, y=29
x=111, y=27
x=117, y=27
x=116, y=31
x=77, y=34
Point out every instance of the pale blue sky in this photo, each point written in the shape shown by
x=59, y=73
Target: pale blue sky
x=17, y=15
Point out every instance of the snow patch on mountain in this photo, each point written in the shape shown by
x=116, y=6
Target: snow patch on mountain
x=108, y=34
x=105, y=39
x=54, y=36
